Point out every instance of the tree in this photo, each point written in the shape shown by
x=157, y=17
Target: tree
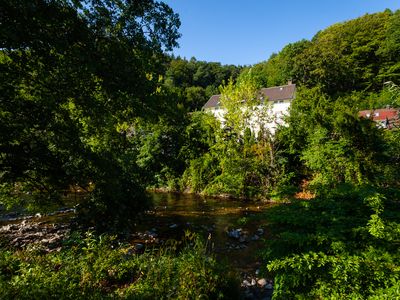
x=280, y=67
x=194, y=82
x=390, y=49
x=73, y=73
x=228, y=157
x=195, y=98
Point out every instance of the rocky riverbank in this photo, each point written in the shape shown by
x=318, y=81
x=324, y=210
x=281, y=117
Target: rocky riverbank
x=232, y=233
x=28, y=233
x=254, y=288
x=43, y=231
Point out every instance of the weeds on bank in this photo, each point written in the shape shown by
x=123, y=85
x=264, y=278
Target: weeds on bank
x=100, y=267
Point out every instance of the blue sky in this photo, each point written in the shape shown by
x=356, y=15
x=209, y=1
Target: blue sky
x=244, y=32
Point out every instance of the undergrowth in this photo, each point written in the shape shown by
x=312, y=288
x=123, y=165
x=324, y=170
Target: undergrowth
x=100, y=267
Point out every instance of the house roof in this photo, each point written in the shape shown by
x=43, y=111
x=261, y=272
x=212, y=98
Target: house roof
x=275, y=93
x=283, y=92
x=212, y=102
x=380, y=114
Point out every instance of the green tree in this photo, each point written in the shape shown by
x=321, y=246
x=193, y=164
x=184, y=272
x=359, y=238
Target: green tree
x=390, y=49
x=229, y=158
x=280, y=67
x=344, y=56
x=195, y=98
x=194, y=82
x=73, y=73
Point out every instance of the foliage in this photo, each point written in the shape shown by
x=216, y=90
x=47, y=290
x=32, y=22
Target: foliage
x=280, y=67
x=92, y=267
x=326, y=142
x=340, y=245
x=236, y=162
x=158, y=146
x=73, y=73
x=356, y=55
x=194, y=82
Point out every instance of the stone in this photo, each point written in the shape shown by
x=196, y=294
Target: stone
x=234, y=233
x=139, y=247
x=260, y=231
x=151, y=234
x=246, y=283
x=173, y=226
x=255, y=237
x=262, y=282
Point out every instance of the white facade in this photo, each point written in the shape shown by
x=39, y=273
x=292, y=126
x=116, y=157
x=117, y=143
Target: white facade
x=270, y=115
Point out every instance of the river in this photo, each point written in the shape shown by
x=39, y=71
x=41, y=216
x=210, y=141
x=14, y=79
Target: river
x=235, y=227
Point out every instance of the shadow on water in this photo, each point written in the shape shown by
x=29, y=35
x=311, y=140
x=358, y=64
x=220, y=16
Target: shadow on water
x=235, y=234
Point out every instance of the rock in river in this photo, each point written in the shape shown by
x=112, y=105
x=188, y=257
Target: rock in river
x=234, y=233
x=262, y=282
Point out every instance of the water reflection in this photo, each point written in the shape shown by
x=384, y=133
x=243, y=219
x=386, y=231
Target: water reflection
x=175, y=213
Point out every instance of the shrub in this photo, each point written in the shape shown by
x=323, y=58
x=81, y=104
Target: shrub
x=91, y=267
x=341, y=245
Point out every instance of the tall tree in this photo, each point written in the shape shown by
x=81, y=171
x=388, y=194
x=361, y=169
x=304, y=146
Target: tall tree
x=73, y=73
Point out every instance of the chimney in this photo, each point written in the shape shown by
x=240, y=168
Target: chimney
x=289, y=82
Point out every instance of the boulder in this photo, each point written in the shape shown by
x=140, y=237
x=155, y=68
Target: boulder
x=262, y=282
x=139, y=247
x=234, y=233
x=246, y=283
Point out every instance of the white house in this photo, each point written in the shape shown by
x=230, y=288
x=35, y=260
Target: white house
x=277, y=100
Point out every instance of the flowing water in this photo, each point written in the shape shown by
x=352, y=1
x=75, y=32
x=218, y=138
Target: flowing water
x=235, y=227
x=235, y=231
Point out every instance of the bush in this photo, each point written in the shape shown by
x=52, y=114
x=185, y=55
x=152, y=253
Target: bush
x=92, y=267
x=341, y=245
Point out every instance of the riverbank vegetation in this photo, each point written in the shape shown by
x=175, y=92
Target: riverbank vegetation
x=101, y=267
x=90, y=100
x=342, y=244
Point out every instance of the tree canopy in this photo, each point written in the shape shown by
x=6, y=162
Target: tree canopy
x=356, y=55
x=73, y=74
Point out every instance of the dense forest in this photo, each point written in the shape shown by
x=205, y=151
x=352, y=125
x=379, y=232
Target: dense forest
x=91, y=100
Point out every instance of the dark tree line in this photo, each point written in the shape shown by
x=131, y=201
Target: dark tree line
x=194, y=82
